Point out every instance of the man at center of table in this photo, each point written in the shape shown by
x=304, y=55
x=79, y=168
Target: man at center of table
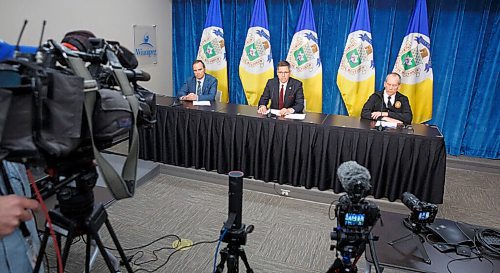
x=286, y=93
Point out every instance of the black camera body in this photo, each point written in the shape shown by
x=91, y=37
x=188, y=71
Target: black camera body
x=356, y=217
x=421, y=212
x=354, y=223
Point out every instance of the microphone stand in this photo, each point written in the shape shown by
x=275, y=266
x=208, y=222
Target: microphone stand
x=379, y=119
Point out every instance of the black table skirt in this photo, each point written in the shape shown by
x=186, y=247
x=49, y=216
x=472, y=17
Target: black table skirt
x=296, y=153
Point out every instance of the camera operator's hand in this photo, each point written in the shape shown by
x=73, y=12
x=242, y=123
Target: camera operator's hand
x=14, y=210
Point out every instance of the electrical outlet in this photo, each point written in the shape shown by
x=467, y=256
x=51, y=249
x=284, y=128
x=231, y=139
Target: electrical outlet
x=285, y=192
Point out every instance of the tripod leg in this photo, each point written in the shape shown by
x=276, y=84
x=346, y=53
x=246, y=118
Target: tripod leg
x=67, y=246
x=95, y=251
x=223, y=258
x=245, y=260
x=41, y=252
x=402, y=239
x=232, y=263
x=104, y=254
x=422, y=250
x=118, y=246
x=87, y=253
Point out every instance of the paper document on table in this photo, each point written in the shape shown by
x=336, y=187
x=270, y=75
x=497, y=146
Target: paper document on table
x=201, y=102
x=386, y=124
x=296, y=116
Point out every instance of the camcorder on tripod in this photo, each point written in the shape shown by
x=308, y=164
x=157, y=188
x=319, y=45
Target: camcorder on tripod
x=234, y=233
x=355, y=219
x=59, y=109
x=422, y=214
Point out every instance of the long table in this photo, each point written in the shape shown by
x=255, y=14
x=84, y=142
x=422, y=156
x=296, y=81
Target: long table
x=225, y=137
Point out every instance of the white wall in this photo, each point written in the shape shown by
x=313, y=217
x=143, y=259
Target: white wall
x=109, y=19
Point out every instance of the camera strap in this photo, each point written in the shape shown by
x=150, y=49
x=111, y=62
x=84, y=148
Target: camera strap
x=120, y=186
x=5, y=100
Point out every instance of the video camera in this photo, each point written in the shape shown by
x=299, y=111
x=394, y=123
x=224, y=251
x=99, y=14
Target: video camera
x=421, y=212
x=103, y=56
x=354, y=214
x=58, y=112
x=355, y=217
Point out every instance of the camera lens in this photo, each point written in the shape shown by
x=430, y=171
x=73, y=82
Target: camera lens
x=410, y=200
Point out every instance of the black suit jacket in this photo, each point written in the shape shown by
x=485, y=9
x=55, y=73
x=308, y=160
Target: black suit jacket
x=376, y=103
x=294, y=95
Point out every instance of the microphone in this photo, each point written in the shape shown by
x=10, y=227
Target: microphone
x=355, y=179
x=235, y=203
x=379, y=127
x=177, y=102
x=17, y=50
x=21, y=35
x=271, y=115
x=137, y=75
x=379, y=119
x=41, y=34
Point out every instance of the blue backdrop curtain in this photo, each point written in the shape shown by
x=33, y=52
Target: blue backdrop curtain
x=464, y=46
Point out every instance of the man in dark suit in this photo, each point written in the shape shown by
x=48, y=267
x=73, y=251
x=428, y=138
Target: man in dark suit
x=389, y=104
x=201, y=86
x=286, y=94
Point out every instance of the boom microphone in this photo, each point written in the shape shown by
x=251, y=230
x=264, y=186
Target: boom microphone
x=355, y=179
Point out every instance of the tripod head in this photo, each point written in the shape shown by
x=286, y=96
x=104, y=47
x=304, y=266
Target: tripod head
x=351, y=245
x=73, y=188
x=235, y=232
x=77, y=202
x=236, y=237
x=415, y=227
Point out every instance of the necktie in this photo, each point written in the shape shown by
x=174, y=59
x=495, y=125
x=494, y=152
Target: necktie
x=280, y=101
x=389, y=104
x=198, y=89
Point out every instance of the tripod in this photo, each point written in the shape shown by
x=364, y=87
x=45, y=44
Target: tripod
x=76, y=216
x=90, y=227
x=352, y=247
x=234, y=250
x=416, y=229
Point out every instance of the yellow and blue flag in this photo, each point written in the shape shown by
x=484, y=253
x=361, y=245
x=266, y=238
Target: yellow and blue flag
x=256, y=64
x=415, y=66
x=212, y=50
x=304, y=59
x=356, y=75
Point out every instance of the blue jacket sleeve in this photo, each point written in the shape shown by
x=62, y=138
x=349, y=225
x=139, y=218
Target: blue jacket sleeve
x=184, y=89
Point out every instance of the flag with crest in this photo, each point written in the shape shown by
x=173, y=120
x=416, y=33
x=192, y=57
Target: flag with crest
x=256, y=63
x=212, y=50
x=356, y=75
x=414, y=64
x=304, y=59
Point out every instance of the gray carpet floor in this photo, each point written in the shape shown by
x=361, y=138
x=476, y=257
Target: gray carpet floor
x=290, y=235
